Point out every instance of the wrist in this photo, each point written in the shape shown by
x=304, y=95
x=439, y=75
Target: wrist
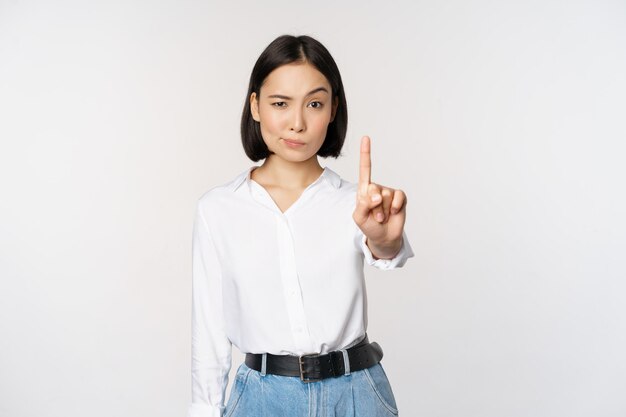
x=384, y=250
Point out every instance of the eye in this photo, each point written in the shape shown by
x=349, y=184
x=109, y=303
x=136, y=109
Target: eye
x=318, y=106
x=279, y=104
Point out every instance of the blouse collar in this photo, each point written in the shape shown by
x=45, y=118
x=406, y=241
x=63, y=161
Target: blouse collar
x=328, y=175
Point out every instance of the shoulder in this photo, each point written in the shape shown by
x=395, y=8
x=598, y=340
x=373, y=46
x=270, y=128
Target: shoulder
x=217, y=194
x=344, y=186
x=348, y=187
x=338, y=182
x=343, y=191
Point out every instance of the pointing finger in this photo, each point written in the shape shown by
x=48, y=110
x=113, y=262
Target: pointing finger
x=365, y=166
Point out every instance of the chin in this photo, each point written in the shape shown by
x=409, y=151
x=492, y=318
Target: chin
x=294, y=158
x=302, y=159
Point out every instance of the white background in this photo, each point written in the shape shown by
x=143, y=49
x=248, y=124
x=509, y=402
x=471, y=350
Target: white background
x=502, y=121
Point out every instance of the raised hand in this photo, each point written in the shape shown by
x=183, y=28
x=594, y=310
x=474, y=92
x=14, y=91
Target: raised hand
x=380, y=211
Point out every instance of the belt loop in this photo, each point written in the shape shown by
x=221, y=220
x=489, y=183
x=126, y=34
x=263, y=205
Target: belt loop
x=264, y=364
x=346, y=361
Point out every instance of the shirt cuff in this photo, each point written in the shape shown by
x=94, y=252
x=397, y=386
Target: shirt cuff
x=204, y=410
x=398, y=261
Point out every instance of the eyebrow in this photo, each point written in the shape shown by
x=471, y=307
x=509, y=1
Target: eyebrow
x=308, y=94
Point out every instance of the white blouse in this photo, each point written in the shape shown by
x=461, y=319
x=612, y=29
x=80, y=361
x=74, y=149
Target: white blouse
x=268, y=281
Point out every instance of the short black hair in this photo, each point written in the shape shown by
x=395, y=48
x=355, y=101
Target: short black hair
x=287, y=49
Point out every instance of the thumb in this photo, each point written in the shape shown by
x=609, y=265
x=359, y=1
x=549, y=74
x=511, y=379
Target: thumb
x=364, y=205
x=361, y=212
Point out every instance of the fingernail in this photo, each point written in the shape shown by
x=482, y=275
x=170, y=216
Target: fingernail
x=379, y=217
x=376, y=198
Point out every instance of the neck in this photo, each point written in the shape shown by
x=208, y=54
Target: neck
x=289, y=174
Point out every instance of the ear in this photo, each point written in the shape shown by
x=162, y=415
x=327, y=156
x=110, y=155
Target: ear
x=334, y=112
x=254, y=107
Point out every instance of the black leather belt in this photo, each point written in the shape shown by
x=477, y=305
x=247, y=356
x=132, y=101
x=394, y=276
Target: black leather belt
x=315, y=367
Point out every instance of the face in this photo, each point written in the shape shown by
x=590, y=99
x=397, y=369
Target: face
x=294, y=108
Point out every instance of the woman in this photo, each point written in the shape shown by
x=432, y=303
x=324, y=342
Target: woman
x=278, y=255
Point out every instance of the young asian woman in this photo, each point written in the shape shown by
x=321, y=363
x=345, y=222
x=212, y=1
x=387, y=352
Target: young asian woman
x=278, y=255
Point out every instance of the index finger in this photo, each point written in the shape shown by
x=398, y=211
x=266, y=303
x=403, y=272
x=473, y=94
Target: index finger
x=365, y=165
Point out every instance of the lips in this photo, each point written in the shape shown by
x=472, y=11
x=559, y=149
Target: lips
x=294, y=141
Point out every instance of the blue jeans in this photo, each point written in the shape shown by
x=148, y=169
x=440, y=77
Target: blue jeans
x=364, y=393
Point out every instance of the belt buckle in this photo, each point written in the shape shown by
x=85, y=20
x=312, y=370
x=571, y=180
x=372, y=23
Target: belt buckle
x=302, y=377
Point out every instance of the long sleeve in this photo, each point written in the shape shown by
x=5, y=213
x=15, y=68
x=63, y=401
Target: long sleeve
x=398, y=261
x=211, y=349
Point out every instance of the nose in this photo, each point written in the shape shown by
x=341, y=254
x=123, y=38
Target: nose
x=297, y=120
